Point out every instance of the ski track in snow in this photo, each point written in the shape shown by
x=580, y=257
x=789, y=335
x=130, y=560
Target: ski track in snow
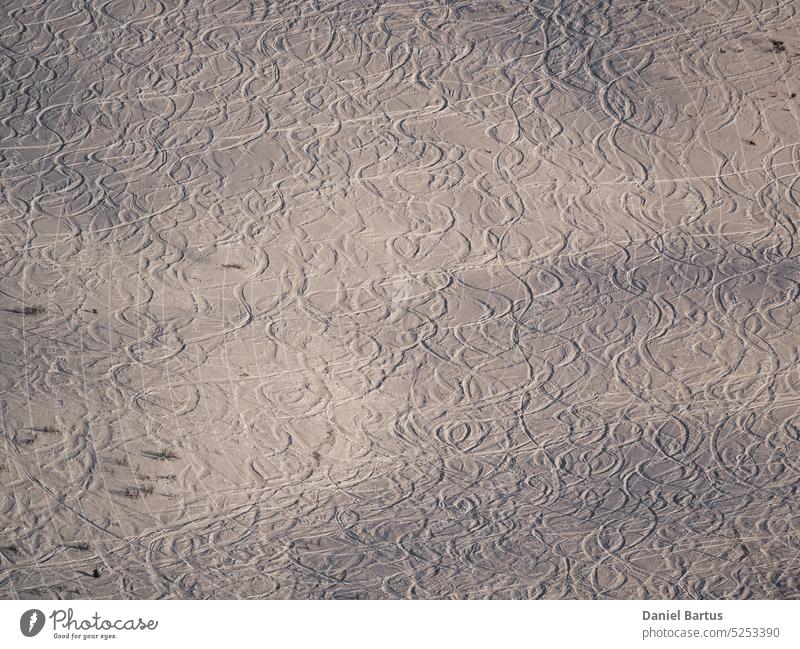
x=358, y=299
